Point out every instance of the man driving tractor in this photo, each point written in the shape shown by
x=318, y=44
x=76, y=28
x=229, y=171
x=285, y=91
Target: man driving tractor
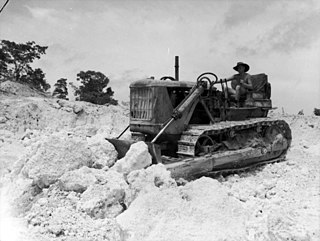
x=240, y=82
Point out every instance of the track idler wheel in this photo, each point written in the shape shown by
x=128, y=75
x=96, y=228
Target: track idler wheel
x=205, y=145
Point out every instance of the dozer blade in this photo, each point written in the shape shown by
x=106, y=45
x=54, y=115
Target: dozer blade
x=122, y=146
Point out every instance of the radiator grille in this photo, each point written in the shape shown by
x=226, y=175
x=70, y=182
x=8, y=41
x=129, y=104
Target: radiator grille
x=142, y=103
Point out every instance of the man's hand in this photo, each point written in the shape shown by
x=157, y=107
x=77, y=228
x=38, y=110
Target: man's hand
x=242, y=81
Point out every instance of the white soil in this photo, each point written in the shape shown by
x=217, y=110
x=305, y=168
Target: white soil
x=279, y=201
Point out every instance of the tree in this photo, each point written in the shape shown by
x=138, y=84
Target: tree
x=36, y=79
x=93, y=88
x=3, y=63
x=15, y=63
x=61, y=89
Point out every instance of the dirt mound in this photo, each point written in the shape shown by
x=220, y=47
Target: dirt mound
x=92, y=201
x=51, y=158
x=200, y=210
x=54, y=216
x=33, y=113
x=13, y=88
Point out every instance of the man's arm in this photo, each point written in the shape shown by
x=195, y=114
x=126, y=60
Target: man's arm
x=247, y=83
x=230, y=78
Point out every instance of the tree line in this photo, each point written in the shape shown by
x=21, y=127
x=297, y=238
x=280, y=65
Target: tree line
x=15, y=65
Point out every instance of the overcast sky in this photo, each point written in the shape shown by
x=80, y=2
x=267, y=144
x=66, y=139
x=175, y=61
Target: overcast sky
x=130, y=40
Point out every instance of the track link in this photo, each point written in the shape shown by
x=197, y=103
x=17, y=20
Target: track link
x=223, y=162
x=189, y=138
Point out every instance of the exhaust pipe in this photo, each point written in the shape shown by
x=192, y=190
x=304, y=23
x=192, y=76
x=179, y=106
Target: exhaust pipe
x=176, y=68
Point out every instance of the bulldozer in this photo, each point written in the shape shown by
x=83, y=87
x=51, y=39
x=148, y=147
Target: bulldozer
x=195, y=128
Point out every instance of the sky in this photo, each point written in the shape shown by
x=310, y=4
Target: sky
x=130, y=40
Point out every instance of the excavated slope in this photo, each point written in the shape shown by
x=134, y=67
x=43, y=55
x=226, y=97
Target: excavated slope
x=59, y=182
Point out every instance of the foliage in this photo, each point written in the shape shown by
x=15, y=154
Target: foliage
x=3, y=63
x=36, y=79
x=15, y=63
x=94, y=88
x=61, y=89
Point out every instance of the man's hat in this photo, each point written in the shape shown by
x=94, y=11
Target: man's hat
x=246, y=67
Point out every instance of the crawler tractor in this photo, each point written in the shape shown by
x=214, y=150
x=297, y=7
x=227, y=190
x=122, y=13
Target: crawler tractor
x=195, y=129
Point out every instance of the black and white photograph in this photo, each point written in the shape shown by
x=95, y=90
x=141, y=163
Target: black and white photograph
x=159, y=120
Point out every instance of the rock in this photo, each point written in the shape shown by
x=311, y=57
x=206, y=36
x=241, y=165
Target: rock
x=42, y=201
x=138, y=157
x=27, y=135
x=67, y=109
x=65, y=103
x=3, y=119
x=21, y=194
x=55, y=105
x=77, y=109
x=77, y=180
x=103, y=151
x=104, y=177
x=196, y=211
x=55, y=155
x=70, y=106
x=107, y=199
x=149, y=179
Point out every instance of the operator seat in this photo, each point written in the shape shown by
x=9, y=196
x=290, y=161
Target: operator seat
x=261, y=87
x=260, y=95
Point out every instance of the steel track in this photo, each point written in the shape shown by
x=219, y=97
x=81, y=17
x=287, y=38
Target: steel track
x=189, y=138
